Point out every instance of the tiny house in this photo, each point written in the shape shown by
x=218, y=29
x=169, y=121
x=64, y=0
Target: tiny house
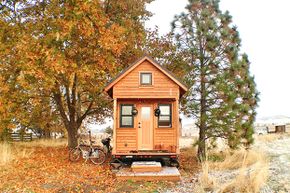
x=146, y=111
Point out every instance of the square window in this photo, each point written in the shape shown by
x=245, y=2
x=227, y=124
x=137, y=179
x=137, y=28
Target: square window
x=146, y=78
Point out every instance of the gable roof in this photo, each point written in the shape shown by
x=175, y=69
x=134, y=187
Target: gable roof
x=127, y=70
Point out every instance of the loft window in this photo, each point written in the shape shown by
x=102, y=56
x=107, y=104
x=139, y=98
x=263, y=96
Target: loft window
x=164, y=119
x=126, y=116
x=146, y=78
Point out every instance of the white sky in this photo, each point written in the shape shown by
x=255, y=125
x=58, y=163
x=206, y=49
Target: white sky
x=264, y=27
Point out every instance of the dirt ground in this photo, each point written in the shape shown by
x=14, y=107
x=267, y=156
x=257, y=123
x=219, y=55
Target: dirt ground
x=278, y=152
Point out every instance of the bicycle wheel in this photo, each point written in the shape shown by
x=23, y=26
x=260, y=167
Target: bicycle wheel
x=74, y=154
x=98, y=156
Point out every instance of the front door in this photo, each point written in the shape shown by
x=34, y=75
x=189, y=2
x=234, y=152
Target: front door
x=145, y=127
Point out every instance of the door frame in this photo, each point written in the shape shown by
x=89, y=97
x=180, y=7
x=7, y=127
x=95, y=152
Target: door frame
x=139, y=130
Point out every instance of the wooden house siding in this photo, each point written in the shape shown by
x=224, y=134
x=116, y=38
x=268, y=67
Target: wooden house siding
x=145, y=135
x=162, y=86
x=163, y=138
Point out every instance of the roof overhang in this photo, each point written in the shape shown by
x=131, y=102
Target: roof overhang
x=126, y=71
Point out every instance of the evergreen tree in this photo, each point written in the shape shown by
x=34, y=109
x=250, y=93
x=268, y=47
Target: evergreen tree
x=222, y=96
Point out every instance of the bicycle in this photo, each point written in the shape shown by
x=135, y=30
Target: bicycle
x=107, y=147
x=95, y=154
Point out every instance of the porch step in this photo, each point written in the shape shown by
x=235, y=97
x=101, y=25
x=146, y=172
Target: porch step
x=146, y=166
x=166, y=174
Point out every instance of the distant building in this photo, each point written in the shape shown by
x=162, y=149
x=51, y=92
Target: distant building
x=274, y=124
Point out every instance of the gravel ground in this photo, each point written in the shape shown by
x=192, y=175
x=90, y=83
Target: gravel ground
x=279, y=169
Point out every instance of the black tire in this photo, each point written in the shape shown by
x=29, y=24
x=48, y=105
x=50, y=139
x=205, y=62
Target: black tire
x=100, y=159
x=74, y=154
x=174, y=163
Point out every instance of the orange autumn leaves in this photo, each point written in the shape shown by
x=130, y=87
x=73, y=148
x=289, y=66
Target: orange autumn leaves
x=66, y=50
x=49, y=170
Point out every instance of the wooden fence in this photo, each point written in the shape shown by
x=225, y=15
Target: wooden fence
x=20, y=136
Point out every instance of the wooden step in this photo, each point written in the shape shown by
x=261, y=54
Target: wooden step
x=146, y=166
x=166, y=174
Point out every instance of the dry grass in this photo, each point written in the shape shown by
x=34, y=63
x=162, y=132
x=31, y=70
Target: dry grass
x=207, y=182
x=237, y=159
x=18, y=150
x=248, y=180
x=250, y=172
x=269, y=137
x=188, y=162
x=44, y=143
x=6, y=155
x=9, y=152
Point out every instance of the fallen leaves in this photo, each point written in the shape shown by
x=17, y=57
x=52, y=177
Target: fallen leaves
x=47, y=171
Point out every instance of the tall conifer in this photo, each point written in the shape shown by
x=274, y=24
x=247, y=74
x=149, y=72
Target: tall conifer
x=222, y=96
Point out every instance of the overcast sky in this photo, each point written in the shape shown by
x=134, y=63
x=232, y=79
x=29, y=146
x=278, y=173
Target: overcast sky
x=264, y=27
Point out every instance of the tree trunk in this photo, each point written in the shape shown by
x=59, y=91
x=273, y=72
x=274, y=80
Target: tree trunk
x=201, y=153
x=46, y=133
x=72, y=136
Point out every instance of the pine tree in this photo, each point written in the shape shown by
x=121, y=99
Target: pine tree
x=222, y=96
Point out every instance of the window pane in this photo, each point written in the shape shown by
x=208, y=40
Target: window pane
x=145, y=112
x=164, y=118
x=126, y=110
x=146, y=78
x=164, y=110
x=127, y=121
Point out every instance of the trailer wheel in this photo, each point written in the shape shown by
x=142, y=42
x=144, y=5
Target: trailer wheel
x=174, y=163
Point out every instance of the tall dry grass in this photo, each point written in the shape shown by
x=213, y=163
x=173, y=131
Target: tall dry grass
x=6, y=155
x=250, y=168
x=19, y=150
x=44, y=143
x=237, y=159
x=270, y=137
x=9, y=152
x=248, y=180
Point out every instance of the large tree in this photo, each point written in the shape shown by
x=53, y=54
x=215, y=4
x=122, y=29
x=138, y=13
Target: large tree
x=66, y=51
x=222, y=97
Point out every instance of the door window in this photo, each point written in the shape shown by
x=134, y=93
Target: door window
x=145, y=113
